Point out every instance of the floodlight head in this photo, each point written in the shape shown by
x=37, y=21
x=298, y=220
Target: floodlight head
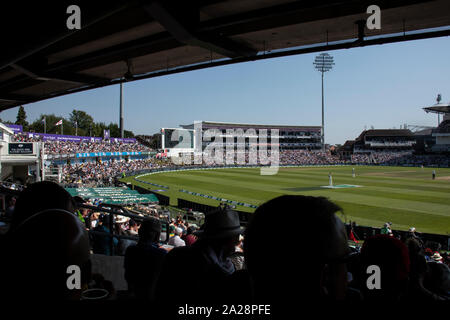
x=323, y=62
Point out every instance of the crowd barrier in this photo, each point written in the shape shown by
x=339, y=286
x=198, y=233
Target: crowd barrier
x=195, y=206
x=162, y=199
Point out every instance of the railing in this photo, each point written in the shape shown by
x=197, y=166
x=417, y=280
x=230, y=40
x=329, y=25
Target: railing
x=441, y=130
x=363, y=232
x=391, y=144
x=58, y=156
x=116, y=210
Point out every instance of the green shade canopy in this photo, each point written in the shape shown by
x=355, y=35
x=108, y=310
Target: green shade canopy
x=112, y=195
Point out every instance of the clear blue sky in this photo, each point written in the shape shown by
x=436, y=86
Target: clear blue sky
x=381, y=86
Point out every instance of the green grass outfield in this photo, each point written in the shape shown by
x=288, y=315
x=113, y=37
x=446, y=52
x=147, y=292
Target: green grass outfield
x=405, y=196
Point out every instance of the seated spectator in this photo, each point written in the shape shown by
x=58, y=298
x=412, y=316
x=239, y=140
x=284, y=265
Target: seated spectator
x=276, y=268
x=437, y=257
x=412, y=234
x=176, y=240
x=132, y=230
x=38, y=197
x=143, y=261
x=45, y=239
x=238, y=255
x=190, y=238
x=386, y=229
x=418, y=269
x=10, y=210
x=102, y=242
x=207, y=261
x=392, y=258
x=437, y=281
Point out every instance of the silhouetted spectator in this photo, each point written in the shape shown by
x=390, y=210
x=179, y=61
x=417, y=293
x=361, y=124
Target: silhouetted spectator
x=207, y=261
x=392, y=258
x=275, y=269
x=46, y=238
x=418, y=270
x=143, y=261
x=102, y=242
x=10, y=210
x=40, y=196
x=437, y=281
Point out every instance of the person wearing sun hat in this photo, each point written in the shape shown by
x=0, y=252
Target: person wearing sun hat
x=207, y=261
x=436, y=257
x=412, y=233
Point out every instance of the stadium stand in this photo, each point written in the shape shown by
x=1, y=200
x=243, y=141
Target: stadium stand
x=82, y=146
x=384, y=140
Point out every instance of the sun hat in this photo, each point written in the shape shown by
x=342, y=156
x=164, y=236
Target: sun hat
x=220, y=223
x=122, y=219
x=436, y=256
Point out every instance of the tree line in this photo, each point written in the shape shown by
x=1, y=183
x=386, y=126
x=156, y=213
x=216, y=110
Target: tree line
x=79, y=123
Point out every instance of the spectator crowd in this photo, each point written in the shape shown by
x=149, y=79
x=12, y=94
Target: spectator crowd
x=103, y=173
x=68, y=147
x=71, y=147
x=222, y=262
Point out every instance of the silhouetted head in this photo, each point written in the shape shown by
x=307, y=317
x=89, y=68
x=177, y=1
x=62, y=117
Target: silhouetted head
x=392, y=258
x=310, y=260
x=150, y=231
x=221, y=230
x=40, y=251
x=437, y=279
x=40, y=196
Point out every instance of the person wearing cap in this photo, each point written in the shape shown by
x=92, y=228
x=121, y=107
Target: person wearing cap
x=144, y=260
x=207, y=261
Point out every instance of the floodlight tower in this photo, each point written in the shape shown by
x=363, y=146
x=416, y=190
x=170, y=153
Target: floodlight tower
x=121, y=111
x=438, y=100
x=323, y=63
